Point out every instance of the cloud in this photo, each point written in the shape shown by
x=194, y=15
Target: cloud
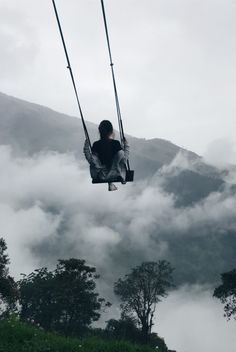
x=139, y=222
x=221, y=152
x=191, y=320
x=18, y=226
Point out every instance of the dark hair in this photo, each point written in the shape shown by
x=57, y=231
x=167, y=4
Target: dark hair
x=105, y=129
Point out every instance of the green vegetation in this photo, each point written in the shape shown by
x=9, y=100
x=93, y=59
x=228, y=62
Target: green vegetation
x=8, y=287
x=55, y=310
x=63, y=300
x=20, y=337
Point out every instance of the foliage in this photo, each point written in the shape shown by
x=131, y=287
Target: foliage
x=63, y=300
x=123, y=329
x=20, y=337
x=8, y=287
x=4, y=260
x=157, y=341
x=126, y=329
x=142, y=289
x=226, y=292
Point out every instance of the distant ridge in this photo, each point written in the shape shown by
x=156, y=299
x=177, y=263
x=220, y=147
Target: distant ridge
x=31, y=128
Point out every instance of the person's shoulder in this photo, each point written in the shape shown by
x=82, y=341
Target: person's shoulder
x=115, y=141
x=95, y=145
x=117, y=144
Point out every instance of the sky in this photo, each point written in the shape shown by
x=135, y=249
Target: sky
x=174, y=60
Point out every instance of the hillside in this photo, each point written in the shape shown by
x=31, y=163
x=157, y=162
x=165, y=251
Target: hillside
x=19, y=337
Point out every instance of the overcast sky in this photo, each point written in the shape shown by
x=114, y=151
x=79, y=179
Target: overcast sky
x=175, y=63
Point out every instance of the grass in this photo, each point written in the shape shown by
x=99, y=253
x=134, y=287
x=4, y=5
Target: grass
x=19, y=337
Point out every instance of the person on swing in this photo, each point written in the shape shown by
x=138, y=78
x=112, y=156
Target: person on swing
x=108, y=158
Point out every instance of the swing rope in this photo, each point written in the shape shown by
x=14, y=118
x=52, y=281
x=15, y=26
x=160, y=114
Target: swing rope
x=71, y=74
x=120, y=122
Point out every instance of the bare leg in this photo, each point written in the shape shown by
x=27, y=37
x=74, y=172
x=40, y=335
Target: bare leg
x=112, y=187
x=97, y=170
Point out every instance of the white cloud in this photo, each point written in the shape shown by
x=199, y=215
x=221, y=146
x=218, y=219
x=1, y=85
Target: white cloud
x=191, y=320
x=23, y=228
x=221, y=152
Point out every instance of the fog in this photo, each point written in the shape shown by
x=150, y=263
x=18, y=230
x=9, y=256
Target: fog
x=192, y=321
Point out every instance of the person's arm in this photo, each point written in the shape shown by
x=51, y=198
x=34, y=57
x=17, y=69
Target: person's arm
x=87, y=152
x=126, y=149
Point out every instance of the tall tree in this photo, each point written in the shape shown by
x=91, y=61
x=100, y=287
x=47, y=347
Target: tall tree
x=63, y=300
x=142, y=289
x=8, y=287
x=226, y=292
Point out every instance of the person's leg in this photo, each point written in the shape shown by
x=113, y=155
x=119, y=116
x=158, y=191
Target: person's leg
x=118, y=168
x=112, y=187
x=97, y=170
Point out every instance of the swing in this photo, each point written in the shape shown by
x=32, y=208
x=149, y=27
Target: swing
x=129, y=178
x=129, y=172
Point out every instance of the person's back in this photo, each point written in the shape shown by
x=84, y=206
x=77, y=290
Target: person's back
x=106, y=149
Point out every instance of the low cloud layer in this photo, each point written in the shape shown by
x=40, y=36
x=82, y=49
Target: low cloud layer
x=50, y=210
x=192, y=321
x=50, y=207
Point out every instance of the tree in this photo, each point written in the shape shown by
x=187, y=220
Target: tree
x=226, y=292
x=142, y=289
x=8, y=287
x=63, y=300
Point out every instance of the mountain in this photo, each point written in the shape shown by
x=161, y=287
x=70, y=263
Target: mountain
x=192, y=223
x=30, y=128
x=34, y=128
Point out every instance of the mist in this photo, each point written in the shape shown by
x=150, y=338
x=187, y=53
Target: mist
x=192, y=321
